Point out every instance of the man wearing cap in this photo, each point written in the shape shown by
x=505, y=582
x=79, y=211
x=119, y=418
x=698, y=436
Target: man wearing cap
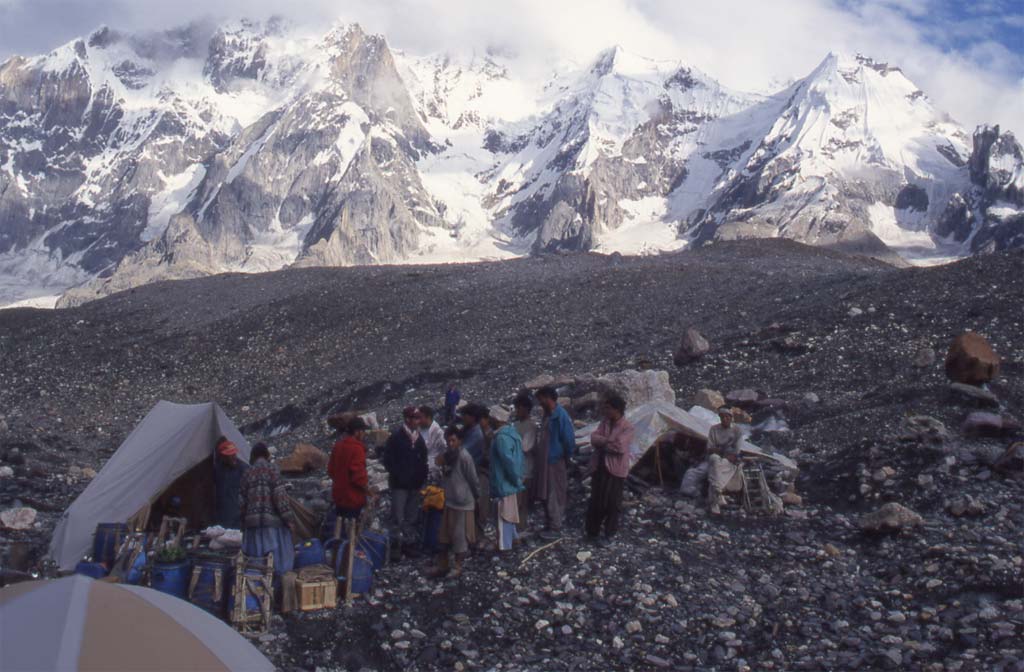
x=227, y=479
x=433, y=436
x=405, y=459
x=723, y=459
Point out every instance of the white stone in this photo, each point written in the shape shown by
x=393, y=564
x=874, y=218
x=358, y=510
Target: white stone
x=19, y=518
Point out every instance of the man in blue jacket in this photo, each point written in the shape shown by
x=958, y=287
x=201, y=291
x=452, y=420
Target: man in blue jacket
x=559, y=436
x=405, y=459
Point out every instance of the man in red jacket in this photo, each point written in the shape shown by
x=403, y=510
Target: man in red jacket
x=347, y=470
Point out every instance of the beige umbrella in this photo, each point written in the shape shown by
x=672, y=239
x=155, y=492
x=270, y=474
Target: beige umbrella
x=76, y=623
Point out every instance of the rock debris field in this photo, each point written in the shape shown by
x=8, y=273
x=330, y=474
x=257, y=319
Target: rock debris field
x=848, y=352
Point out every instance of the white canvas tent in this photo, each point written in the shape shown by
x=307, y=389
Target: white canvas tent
x=654, y=419
x=168, y=443
x=76, y=623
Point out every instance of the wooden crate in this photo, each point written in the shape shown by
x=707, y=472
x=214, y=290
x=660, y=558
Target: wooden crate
x=317, y=594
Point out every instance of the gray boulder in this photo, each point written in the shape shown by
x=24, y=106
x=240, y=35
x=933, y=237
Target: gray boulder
x=692, y=347
x=892, y=517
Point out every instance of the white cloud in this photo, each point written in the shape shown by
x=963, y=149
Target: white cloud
x=744, y=43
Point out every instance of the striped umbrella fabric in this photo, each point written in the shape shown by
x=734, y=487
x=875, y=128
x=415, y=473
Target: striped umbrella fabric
x=77, y=623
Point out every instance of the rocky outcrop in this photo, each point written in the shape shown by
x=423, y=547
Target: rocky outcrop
x=329, y=179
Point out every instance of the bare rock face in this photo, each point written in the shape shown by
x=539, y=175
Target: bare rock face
x=892, y=517
x=640, y=387
x=692, y=347
x=990, y=213
x=709, y=399
x=971, y=360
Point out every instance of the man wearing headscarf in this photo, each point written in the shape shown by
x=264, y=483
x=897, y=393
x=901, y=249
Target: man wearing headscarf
x=723, y=459
x=227, y=478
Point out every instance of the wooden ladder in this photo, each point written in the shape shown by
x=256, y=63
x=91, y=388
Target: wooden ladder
x=260, y=586
x=755, y=487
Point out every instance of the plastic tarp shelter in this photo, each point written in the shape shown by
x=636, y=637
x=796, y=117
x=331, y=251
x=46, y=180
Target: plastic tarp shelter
x=170, y=440
x=654, y=419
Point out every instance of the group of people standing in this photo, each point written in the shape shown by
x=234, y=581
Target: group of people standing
x=493, y=465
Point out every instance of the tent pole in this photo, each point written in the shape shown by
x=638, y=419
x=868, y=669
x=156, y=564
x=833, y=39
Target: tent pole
x=351, y=561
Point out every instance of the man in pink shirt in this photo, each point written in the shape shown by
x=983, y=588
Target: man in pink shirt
x=612, y=441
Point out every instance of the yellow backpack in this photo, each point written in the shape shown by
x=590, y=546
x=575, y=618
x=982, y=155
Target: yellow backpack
x=433, y=498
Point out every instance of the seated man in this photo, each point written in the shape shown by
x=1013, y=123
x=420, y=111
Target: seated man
x=724, y=474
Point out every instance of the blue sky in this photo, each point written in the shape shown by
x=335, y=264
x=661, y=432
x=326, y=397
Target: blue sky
x=967, y=27
x=967, y=56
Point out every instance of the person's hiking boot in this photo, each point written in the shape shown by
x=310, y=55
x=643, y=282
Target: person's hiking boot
x=457, y=569
x=550, y=535
x=411, y=552
x=714, y=507
x=441, y=569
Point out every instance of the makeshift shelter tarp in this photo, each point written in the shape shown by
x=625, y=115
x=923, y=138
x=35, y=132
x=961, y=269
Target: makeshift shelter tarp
x=654, y=419
x=171, y=440
x=76, y=623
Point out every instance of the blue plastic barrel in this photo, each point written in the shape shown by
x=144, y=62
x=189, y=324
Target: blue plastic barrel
x=309, y=552
x=107, y=540
x=171, y=577
x=375, y=545
x=135, y=572
x=432, y=530
x=91, y=569
x=362, y=569
x=203, y=585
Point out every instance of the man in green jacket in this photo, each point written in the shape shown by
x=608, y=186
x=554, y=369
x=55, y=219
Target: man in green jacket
x=506, y=477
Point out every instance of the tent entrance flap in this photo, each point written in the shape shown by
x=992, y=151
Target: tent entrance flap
x=192, y=496
x=665, y=462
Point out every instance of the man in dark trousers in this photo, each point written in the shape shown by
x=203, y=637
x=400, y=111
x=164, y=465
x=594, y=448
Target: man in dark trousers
x=558, y=436
x=347, y=469
x=474, y=442
x=405, y=459
x=227, y=477
x=610, y=466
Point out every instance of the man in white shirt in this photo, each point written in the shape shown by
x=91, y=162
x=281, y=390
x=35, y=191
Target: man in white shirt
x=433, y=436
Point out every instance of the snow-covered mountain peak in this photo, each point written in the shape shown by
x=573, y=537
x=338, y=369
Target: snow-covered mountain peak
x=250, y=146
